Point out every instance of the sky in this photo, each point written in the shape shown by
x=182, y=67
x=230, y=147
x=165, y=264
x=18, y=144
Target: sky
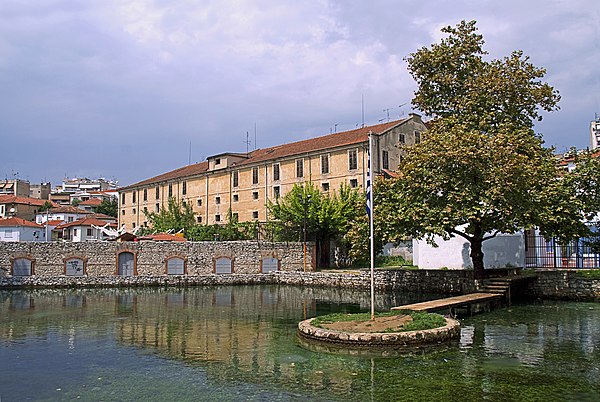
x=129, y=89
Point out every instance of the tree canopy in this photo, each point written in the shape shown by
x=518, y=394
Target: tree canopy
x=108, y=207
x=178, y=216
x=481, y=169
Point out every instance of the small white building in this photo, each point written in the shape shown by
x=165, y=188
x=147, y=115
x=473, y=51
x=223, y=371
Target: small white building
x=65, y=214
x=16, y=229
x=502, y=251
x=85, y=229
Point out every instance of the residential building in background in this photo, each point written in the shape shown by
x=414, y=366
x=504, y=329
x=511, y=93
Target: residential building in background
x=16, y=187
x=595, y=132
x=16, y=229
x=41, y=191
x=245, y=182
x=76, y=185
x=20, y=207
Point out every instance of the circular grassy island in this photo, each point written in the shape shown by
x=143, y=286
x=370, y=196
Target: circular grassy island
x=393, y=331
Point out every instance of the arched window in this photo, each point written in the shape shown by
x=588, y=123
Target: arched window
x=175, y=266
x=74, y=266
x=269, y=264
x=223, y=265
x=22, y=267
x=126, y=264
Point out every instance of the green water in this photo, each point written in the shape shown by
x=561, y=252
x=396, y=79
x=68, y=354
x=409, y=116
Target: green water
x=239, y=343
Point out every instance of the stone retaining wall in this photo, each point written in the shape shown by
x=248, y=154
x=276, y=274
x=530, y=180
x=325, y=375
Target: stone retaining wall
x=150, y=257
x=563, y=284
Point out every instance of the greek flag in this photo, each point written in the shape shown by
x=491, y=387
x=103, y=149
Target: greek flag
x=368, y=192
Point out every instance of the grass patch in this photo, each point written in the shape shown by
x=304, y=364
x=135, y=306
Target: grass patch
x=589, y=274
x=420, y=320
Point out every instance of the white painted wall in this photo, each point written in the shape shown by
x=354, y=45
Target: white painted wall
x=499, y=252
x=21, y=233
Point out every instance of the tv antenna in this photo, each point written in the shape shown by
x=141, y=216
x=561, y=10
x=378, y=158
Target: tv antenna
x=387, y=113
x=247, y=142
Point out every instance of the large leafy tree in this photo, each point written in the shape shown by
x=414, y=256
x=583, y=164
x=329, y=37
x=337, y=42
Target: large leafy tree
x=327, y=216
x=481, y=169
x=177, y=216
x=108, y=207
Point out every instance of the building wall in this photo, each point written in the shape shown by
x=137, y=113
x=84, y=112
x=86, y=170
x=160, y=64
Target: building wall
x=500, y=252
x=21, y=234
x=16, y=187
x=212, y=194
x=24, y=211
x=150, y=257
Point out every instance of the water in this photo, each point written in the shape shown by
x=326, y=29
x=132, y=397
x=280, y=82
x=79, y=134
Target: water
x=239, y=343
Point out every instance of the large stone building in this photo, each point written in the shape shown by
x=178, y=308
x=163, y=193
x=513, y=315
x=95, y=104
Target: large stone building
x=245, y=182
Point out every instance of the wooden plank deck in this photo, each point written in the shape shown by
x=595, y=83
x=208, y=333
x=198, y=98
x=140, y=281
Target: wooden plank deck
x=450, y=302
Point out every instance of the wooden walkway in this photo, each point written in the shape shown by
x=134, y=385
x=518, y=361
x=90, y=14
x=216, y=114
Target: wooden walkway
x=449, y=302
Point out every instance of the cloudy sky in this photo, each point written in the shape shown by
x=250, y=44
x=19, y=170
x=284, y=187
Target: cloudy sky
x=120, y=88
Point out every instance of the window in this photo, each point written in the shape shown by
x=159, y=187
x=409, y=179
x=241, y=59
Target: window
x=145, y=194
x=254, y=214
x=236, y=178
x=133, y=196
x=184, y=188
x=324, y=164
x=223, y=265
x=217, y=161
x=235, y=216
x=199, y=202
x=123, y=198
x=122, y=212
x=199, y=219
x=299, y=167
x=385, y=159
x=175, y=266
x=145, y=211
x=75, y=267
x=157, y=190
x=217, y=218
x=269, y=264
x=325, y=187
x=352, y=159
x=217, y=200
x=236, y=198
x=255, y=195
x=276, y=192
x=184, y=204
x=133, y=211
x=417, y=137
x=71, y=219
x=276, y=172
x=157, y=207
x=402, y=138
x=133, y=225
x=75, y=230
x=8, y=233
x=90, y=232
x=170, y=190
x=255, y=175
x=22, y=267
x=353, y=183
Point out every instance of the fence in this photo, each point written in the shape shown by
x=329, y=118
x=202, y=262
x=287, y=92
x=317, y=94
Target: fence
x=549, y=253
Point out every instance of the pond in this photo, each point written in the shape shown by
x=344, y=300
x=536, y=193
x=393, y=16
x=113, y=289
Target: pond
x=239, y=343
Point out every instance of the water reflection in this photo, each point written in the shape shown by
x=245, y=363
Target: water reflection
x=242, y=341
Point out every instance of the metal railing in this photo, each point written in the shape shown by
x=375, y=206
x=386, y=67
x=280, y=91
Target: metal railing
x=549, y=253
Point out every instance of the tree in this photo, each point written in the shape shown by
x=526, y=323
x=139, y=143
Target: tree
x=108, y=207
x=46, y=207
x=176, y=217
x=481, y=169
x=326, y=216
x=232, y=230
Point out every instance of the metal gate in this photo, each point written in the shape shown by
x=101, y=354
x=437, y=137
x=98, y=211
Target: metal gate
x=126, y=264
x=549, y=253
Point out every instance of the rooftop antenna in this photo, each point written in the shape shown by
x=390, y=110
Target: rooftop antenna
x=190, y=154
x=362, y=106
x=247, y=142
x=255, y=136
x=335, y=127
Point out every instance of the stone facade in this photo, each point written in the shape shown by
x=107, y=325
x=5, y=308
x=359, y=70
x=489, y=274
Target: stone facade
x=149, y=258
x=565, y=285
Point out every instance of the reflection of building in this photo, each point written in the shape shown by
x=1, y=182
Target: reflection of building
x=245, y=182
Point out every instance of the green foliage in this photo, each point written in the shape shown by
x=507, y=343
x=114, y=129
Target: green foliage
x=422, y=321
x=390, y=261
x=589, y=274
x=176, y=217
x=108, y=207
x=46, y=207
x=232, y=230
x=481, y=168
x=75, y=202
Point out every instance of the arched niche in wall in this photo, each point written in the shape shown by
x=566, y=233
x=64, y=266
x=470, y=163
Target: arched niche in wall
x=269, y=264
x=126, y=263
x=223, y=265
x=22, y=266
x=75, y=266
x=175, y=265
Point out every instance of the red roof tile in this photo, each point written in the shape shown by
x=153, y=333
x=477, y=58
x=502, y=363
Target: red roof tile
x=94, y=202
x=14, y=199
x=87, y=221
x=69, y=209
x=162, y=237
x=14, y=222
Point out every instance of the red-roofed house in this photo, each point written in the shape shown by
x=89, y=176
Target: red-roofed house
x=90, y=205
x=85, y=229
x=244, y=182
x=17, y=229
x=21, y=207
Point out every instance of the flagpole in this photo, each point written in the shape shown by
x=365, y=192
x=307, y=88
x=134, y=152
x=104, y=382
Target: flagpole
x=372, y=247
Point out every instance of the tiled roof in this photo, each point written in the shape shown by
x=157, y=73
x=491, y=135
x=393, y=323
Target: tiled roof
x=14, y=222
x=87, y=221
x=68, y=209
x=94, y=202
x=344, y=138
x=55, y=222
x=14, y=199
x=103, y=217
x=162, y=237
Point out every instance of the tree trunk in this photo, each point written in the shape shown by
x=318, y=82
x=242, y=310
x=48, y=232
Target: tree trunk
x=477, y=257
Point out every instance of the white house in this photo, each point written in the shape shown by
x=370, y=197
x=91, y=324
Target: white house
x=502, y=251
x=16, y=229
x=64, y=214
x=85, y=229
